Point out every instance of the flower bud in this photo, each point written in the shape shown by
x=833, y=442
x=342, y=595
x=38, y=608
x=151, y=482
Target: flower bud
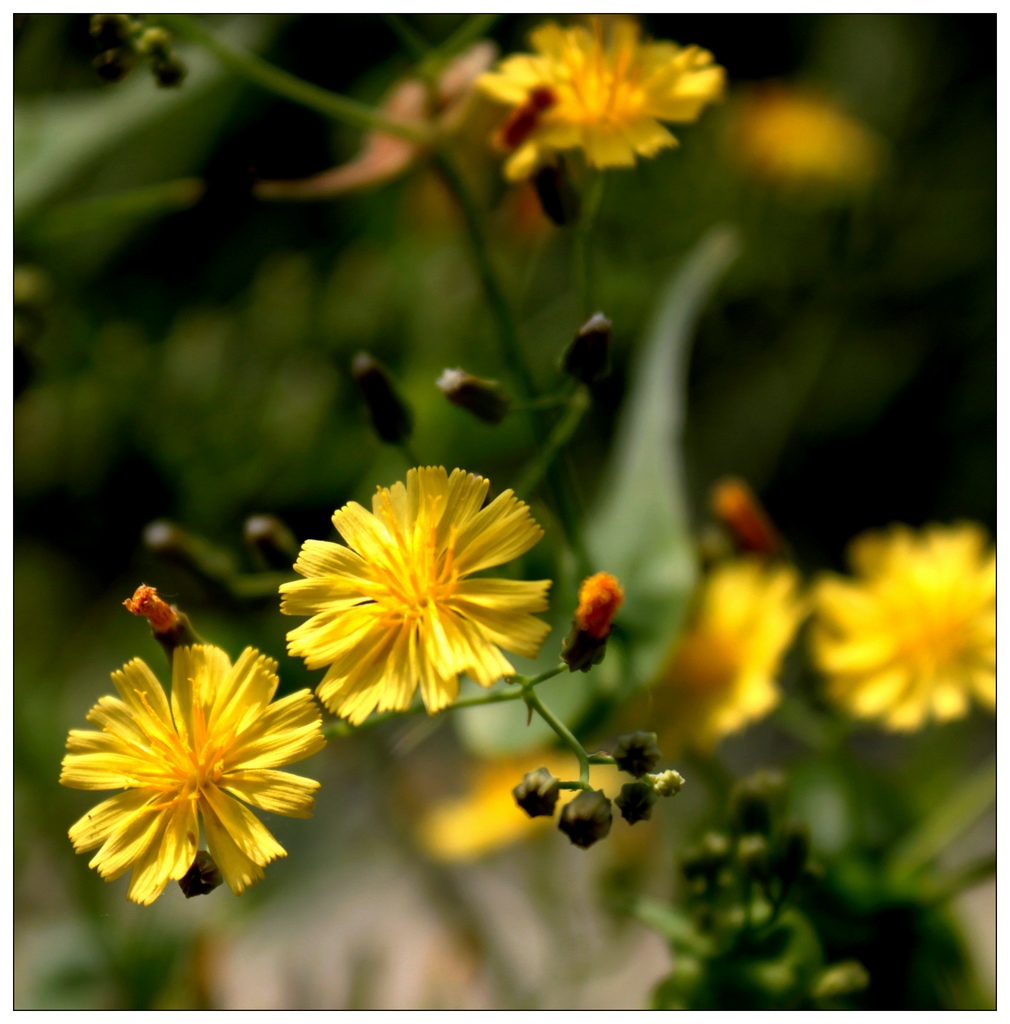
x=558, y=198
x=202, y=877
x=154, y=42
x=635, y=801
x=271, y=538
x=115, y=64
x=637, y=753
x=538, y=793
x=391, y=416
x=735, y=505
x=587, y=358
x=485, y=399
x=753, y=854
x=668, y=783
x=587, y=818
x=110, y=30
x=170, y=627
x=752, y=800
x=171, y=542
x=586, y=644
x=168, y=70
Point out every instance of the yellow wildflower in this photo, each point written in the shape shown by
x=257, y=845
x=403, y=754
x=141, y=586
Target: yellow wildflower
x=393, y=610
x=722, y=671
x=796, y=138
x=914, y=635
x=216, y=743
x=606, y=97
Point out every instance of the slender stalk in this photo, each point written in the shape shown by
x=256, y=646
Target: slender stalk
x=963, y=806
x=963, y=878
x=534, y=702
x=583, y=235
x=275, y=80
x=562, y=433
x=413, y=43
x=344, y=728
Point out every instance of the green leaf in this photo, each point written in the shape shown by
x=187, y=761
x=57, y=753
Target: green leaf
x=639, y=529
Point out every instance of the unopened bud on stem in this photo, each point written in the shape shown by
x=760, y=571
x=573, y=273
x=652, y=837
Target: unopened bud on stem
x=391, y=416
x=485, y=399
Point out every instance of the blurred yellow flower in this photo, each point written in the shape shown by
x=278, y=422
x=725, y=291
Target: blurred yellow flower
x=797, y=138
x=215, y=744
x=604, y=96
x=722, y=671
x=393, y=610
x=486, y=817
x=914, y=635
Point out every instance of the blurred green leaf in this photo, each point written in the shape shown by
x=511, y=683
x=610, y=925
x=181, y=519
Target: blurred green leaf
x=639, y=529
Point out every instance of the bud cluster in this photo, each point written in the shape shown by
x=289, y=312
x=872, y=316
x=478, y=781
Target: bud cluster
x=124, y=40
x=743, y=875
x=588, y=817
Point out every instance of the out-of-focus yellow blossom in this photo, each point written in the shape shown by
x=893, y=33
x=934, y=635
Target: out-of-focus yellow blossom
x=797, y=138
x=394, y=610
x=605, y=96
x=486, y=817
x=722, y=672
x=913, y=636
x=215, y=744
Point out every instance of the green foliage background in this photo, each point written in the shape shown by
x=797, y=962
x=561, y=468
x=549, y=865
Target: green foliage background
x=193, y=365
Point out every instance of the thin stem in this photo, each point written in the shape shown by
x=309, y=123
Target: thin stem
x=343, y=728
x=583, y=235
x=413, y=43
x=963, y=878
x=409, y=454
x=950, y=818
x=275, y=80
x=562, y=433
x=533, y=701
x=470, y=31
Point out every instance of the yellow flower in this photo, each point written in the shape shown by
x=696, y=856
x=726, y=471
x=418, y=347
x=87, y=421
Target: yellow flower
x=914, y=635
x=486, y=817
x=722, y=671
x=796, y=138
x=394, y=610
x=215, y=744
x=607, y=98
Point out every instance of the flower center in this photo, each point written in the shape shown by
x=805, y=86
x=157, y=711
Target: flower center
x=420, y=573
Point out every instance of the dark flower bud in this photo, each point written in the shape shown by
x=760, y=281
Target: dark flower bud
x=635, y=801
x=736, y=506
x=203, y=876
x=587, y=358
x=154, y=42
x=600, y=596
x=391, y=417
x=110, y=30
x=752, y=802
x=485, y=399
x=114, y=65
x=637, y=753
x=580, y=650
x=271, y=538
x=168, y=71
x=587, y=818
x=538, y=793
x=558, y=198
x=795, y=850
x=753, y=854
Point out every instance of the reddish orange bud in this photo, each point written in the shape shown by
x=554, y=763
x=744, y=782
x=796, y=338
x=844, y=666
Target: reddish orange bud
x=523, y=120
x=599, y=598
x=145, y=601
x=736, y=507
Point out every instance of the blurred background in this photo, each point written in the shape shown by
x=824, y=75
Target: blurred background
x=185, y=354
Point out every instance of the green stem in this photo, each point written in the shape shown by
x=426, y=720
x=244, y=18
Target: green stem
x=559, y=478
x=534, y=702
x=562, y=433
x=329, y=104
x=342, y=728
x=90, y=214
x=583, y=234
x=469, y=32
x=950, y=818
x=412, y=41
